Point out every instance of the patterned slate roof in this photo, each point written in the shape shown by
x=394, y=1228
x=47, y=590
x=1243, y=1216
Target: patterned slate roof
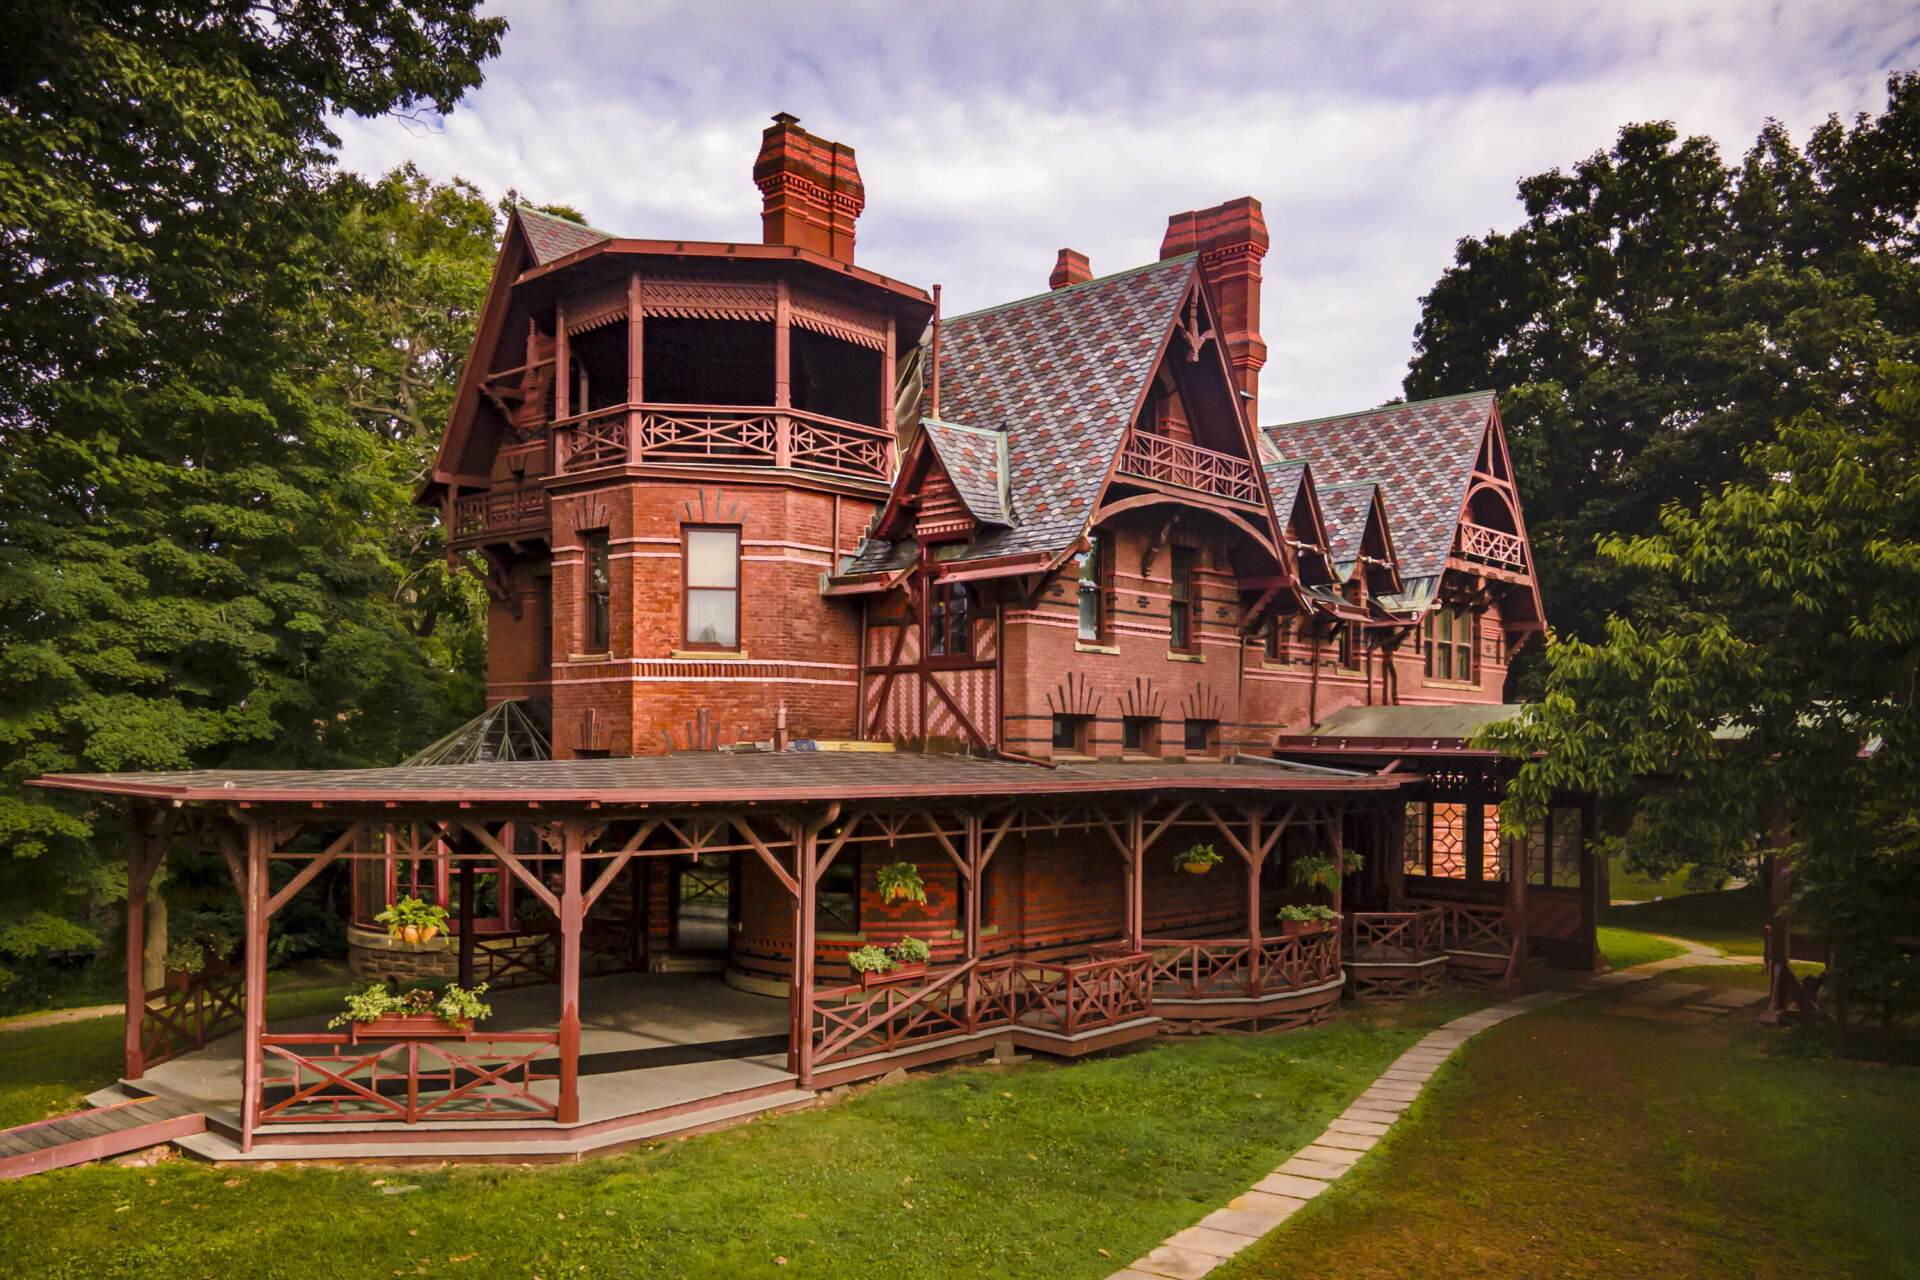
x=1060, y=374
x=554, y=238
x=972, y=461
x=1423, y=453
x=1283, y=482
x=1345, y=508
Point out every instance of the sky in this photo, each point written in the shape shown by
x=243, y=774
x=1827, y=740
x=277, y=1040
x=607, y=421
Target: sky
x=990, y=135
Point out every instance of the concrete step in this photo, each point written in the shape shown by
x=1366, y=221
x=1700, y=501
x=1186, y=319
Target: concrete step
x=220, y=1148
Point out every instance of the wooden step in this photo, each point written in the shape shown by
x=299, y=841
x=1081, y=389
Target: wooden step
x=98, y=1134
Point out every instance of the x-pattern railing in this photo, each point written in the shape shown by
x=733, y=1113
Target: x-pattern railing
x=1075, y=997
x=329, y=1078
x=1298, y=962
x=826, y=445
x=1478, y=542
x=1224, y=968
x=728, y=435
x=593, y=440
x=719, y=435
x=1472, y=927
x=1398, y=935
x=501, y=512
x=189, y=1017
x=1188, y=466
x=524, y=960
x=849, y=1022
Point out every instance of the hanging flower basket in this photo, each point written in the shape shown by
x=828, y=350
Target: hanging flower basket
x=901, y=882
x=1198, y=860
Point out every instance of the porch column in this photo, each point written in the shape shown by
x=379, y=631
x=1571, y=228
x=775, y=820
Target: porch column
x=1475, y=841
x=1393, y=813
x=562, y=363
x=1254, y=865
x=255, y=907
x=782, y=374
x=572, y=912
x=970, y=925
x=145, y=850
x=807, y=858
x=636, y=339
x=1136, y=900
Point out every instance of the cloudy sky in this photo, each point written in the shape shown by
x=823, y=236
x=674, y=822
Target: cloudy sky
x=991, y=134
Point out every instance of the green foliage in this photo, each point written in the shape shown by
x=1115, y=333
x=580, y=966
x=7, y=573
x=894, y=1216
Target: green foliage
x=901, y=880
x=210, y=554
x=1784, y=691
x=1303, y=915
x=911, y=951
x=1659, y=311
x=1201, y=856
x=451, y=1004
x=869, y=959
x=201, y=936
x=412, y=912
x=1317, y=870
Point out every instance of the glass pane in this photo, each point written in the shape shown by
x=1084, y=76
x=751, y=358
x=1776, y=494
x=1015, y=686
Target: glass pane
x=713, y=558
x=710, y=618
x=1443, y=662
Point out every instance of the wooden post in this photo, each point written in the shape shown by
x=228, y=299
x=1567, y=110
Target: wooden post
x=782, y=374
x=258, y=846
x=144, y=853
x=562, y=363
x=1516, y=869
x=800, y=1002
x=636, y=339
x=1136, y=890
x=974, y=887
x=1474, y=843
x=466, y=922
x=887, y=377
x=1254, y=865
x=1394, y=838
x=571, y=915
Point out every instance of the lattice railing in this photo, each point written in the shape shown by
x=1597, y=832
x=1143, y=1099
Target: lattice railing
x=851, y=1023
x=1400, y=936
x=509, y=511
x=723, y=435
x=1081, y=996
x=1495, y=546
x=1229, y=968
x=1299, y=962
x=324, y=1076
x=1473, y=927
x=190, y=1015
x=1189, y=466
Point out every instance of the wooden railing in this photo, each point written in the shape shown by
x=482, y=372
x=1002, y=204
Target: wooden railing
x=1472, y=927
x=723, y=435
x=327, y=1077
x=1231, y=968
x=184, y=1016
x=1400, y=936
x=1061, y=997
x=1495, y=546
x=501, y=513
x=1188, y=466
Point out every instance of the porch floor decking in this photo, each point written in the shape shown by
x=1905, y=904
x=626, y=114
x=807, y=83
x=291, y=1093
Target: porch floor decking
x=648, y=1043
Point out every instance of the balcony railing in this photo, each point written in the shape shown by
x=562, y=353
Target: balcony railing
x=1402, y=937
x=721, y=435
x=1188, y=466
x=502, y=513
x=1493, y=546
x=1232, y=968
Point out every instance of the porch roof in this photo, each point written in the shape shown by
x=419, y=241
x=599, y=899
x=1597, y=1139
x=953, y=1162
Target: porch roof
x=710, y=777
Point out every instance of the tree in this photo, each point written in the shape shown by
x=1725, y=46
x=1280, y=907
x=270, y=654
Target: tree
x=201, y=558
x=1785, y=691
x=1659, y=311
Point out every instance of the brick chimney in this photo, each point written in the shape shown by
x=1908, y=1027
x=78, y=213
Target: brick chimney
x=810, y=190
x=1231, y=239
x=1072, y=268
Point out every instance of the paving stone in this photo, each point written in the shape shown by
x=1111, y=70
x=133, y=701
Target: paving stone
x=1357, y=1128
x=1382, y=1102
x=1266, y=1202
x=1131, y=1274
x=1392, y=1089
x=1287, y=1184
x=1218, y=1241
x=1327, y=1155
x=1409, y=1075
x=1247, y=1222
x=1347, y=1141
x=1734, y=997
x=1304, y=1167
x=1370, y=1115
x=1176, y=1263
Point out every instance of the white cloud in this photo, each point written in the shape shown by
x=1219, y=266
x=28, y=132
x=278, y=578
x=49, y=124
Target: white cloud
x=990, y=135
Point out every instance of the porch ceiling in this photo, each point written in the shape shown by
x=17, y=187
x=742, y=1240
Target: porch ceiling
x=701, y=777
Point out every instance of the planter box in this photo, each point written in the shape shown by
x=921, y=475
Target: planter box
x=1295, y=928
x=899, y=973
x=409, y=1026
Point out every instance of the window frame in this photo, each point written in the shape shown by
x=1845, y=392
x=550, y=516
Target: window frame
x=1455, y=648
x=1183, y=601
x=687, y=588
x=1080, y=734
x=596, y=602
x=939, y=618
x=1145, y=732
x=1099, y=585
x=1209, y=744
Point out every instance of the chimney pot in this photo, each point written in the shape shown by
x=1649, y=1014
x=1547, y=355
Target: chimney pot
x=1072, y=268
x=1231, y=239
x=810, y=190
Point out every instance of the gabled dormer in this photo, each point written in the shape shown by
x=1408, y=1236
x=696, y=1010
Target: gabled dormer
x=1361, y=540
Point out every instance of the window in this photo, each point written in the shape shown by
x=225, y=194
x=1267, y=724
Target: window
x=1347, y=653
x=1183, y=615
x=1202, y=737
x=1096, y=580
x=599, y=602
x=1448, y=636
x=1140, y=734
x=1279, y=639
x=948, y=615
x=1073, y=734
x=836, y=902
x=712, y=568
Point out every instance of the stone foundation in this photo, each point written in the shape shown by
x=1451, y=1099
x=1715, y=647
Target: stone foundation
x=372, y=954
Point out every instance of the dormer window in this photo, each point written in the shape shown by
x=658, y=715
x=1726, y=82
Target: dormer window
x=949, y=613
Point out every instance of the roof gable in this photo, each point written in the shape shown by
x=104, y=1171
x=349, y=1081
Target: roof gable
x=975, y=461
x=551, y=238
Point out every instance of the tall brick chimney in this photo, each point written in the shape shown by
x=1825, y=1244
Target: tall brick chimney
x=1231, y=239
x=810, y=190
x=1072, y=268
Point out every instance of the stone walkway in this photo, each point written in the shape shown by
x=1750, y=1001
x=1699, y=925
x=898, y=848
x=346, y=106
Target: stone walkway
x=1314, y=1168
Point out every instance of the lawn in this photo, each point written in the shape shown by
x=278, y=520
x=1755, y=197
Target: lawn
x=1576, y=1143
x=1730, y=919
x=971, y=1172
x=1624, y=948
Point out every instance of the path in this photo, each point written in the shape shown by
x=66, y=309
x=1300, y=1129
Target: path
x=1189, y=1254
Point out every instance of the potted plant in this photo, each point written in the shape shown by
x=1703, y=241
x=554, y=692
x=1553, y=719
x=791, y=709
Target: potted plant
x=1198, y=860
x=1298, y=920
x=411, y=920
x=872, y=963
x=379, y=1013
x=909, y=957
x=900, y=882
x=202, y=942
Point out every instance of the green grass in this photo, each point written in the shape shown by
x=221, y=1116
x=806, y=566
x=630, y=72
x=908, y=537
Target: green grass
x=967, y=1173
x=1576, y=1143
x=1730, y=919
x=1624, y=948
x=1633, y=886
x=46, y=1071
